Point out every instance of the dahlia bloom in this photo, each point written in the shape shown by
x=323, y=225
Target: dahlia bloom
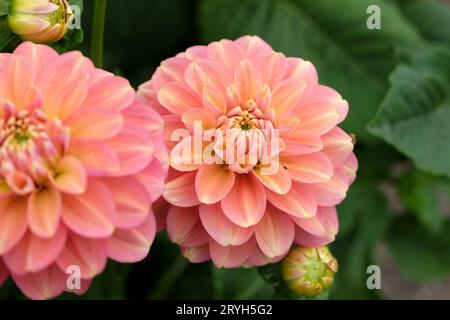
x=80, y=164
x=40, y=21
x=234, y=197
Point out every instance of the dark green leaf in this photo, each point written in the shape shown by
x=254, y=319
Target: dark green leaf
x=271, y=272
x=4, y=7
x=239, y=284
x=420, y=194
x=432, y=18
x=332, y=34
x=414, y=115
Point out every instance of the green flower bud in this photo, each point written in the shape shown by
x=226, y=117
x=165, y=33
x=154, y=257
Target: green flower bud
x=309, y=271
x=40, y=21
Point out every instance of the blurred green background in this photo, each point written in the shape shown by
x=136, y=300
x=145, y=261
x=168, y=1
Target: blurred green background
x=397, y=81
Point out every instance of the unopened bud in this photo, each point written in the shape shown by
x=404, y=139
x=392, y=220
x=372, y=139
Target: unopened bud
x=40, y=21
x=309, y=271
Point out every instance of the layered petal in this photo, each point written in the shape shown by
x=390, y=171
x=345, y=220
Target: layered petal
x=220, y=228
x=245, y=203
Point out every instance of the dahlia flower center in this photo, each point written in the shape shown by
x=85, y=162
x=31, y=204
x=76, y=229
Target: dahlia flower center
x=245, y=138
x=30, y=145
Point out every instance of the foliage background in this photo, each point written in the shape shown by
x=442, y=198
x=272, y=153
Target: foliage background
x=397, y=81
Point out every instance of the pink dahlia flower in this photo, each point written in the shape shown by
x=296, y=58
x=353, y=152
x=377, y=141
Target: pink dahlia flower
x=237, y=198
x=80, y=164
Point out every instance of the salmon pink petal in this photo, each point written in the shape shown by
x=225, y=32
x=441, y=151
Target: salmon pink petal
x=272, y=66
x=63, y=84
x=317, y=118
x=133, y=244
x=331, y=192
x=44, y=211
x=319, y=230
x=17, y=78
x=207, y=180
x=247, y=80
x=196, y=254
x=308, y=168
x=93, y=155
x=141, y=115
x=301, y=142
x=40, y=55
x=274, y=233
x=45, y=284
x=185, y=228
x=178, y=98
x=95, y=125
x=181, y=191
x=171, y=70
x=153, y=178
x=263, y=98
x=92, y=214
x=133, y=148
x=34, y=254
x=132, y=200
x=286, y=95
x=350, y=166
x=231, y=256
x=297, y=68
x=220, y=228
x=298, y=202
x=206, y=73
x=84, y=287
x=306, y=239
x=326, y=95
x=280, y=182
x=70, y=176
x=252, y=45
x=195, y=52
x=198, y=118
x=13, y=222
x=187, y=155
x=20, y=182
x=88, y=254
x=258, y=258
x=225, y=51
x=214, y=101
x=337, y=145
x=109, y=94
x=246, y=202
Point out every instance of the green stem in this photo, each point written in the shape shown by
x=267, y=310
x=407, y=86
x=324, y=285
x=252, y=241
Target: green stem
x=167, y=281
x=98, y=28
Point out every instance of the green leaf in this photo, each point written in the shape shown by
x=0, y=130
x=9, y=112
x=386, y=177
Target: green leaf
x=332, y=34
x=432, y=19
x=4, y=7
x=420, y=194
x=239, y=284
x=414, y=116
x=271, y=273
x=419, y=255
x=8, y=40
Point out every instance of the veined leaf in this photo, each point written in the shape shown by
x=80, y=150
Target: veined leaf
x=333, y=35
x=414, y=116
